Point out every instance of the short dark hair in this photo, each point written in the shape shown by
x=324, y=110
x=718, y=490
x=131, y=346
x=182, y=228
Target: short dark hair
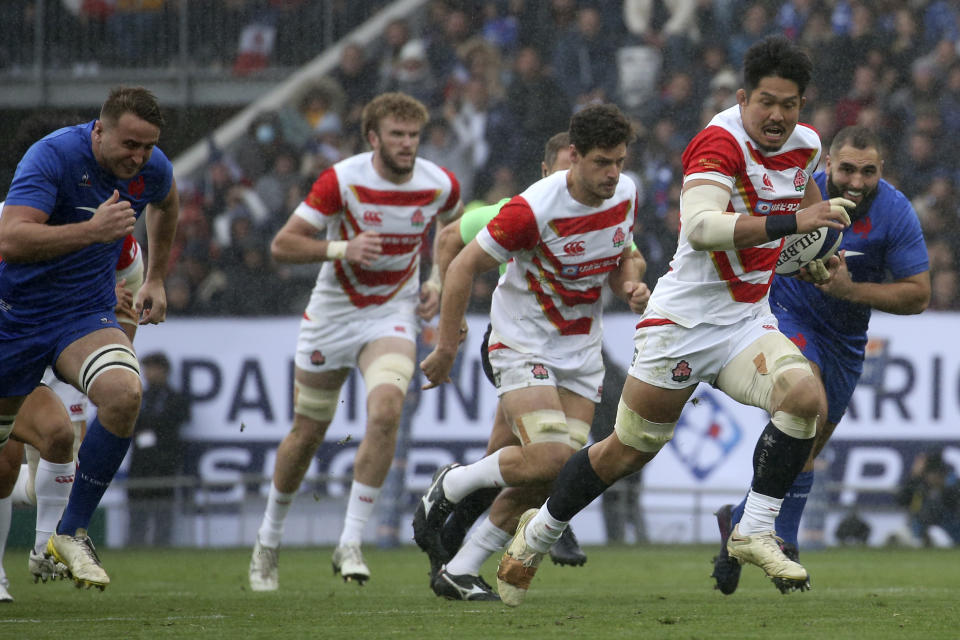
x=599, y=126
x=858, y=137
x=776, y=56
x=136, y=100
x=156, y=358
x=555, y=144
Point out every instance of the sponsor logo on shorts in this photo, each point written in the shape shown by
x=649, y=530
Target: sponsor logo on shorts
x=400, y=328
x=681, y=372
x=540, y=372
x=76, y=409
x=770, y=327
x=317, y=358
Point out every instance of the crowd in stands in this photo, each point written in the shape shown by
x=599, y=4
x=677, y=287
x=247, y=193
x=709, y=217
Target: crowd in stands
x=501, y=76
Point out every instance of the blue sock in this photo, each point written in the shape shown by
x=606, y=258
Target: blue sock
x=788, y=522
x=737, y=512
x=99, y=457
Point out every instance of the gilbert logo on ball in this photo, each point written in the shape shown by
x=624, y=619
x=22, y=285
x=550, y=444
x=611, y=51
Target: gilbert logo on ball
x=800, y=249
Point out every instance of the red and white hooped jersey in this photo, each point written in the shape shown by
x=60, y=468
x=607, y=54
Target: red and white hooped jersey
x=723, y=287
x=562, y=252
x=350, y=198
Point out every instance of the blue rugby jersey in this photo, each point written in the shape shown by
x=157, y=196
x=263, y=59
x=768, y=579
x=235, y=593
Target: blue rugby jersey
x=891, y=240
x=60, y=176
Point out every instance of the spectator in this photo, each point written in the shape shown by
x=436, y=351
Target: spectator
x=413, y=76
x=670, y=27
x=756, y=24
x=583, y=59
x=442, y=46
x=357, y=78
x=157, y=454
x=255, y=151
x=931, y=496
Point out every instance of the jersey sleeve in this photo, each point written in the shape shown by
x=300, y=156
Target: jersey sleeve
x=714, y=154
x=37, y=179
x=907, y=252
x=323, y=200
x=450, y=204
x=512, y=230
x=164, y=170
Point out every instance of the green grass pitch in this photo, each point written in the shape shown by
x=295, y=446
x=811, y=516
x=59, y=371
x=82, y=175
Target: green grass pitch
x=622, y=592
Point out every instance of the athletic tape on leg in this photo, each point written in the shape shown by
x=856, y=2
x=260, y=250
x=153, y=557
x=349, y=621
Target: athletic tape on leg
x=316, y=404
x=111, y=356
x=639, y=433
x=542, y=425
x=390, y=368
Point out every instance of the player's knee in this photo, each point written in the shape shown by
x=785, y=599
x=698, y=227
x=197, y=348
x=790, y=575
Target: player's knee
x=640, y=434
x=384, y=407
x=796, y=388
x=116, y=358
x=542, y=425
x=393, y=369
x=318, y=405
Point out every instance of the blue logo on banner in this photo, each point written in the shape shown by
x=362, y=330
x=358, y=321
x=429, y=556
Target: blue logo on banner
x=705, y=435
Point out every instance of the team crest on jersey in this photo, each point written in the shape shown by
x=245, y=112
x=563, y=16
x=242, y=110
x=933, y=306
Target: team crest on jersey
x=417, y=218
x=681, y=372
x=767, y=184
x=540, y=372
x=619, y=237
x=84, y=180
x=800, y=180
x=317, y=358
x=136, y=187
x=372, y=218
x=862, y=226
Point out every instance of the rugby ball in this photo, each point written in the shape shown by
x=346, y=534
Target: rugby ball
x=800, y=249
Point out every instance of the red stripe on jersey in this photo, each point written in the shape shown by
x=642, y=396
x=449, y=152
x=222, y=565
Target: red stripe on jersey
x=654, y=322
x=575, y=327
x=759, y=258
x=793, y=159
x=361, y=300
x=592, y=221
x=740, y=290
x=370, y=278
x=714, y=150
x=324, y=195
x=569, y=297
x=128, y=253
x=397, y=198
x=454, y=196
x=580, y=269
x=515, y=227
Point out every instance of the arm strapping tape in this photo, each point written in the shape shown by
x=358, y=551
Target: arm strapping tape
x=703, y=218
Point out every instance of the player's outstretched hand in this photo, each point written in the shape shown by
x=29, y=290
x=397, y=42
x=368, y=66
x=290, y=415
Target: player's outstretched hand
x=436, y=367
x=839, y=284
x=828, y=213
x=113, y=219
x=151, y=305
x=637, y=295
x=365, y=248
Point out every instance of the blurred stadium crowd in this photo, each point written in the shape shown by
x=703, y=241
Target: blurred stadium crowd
x=502, y=76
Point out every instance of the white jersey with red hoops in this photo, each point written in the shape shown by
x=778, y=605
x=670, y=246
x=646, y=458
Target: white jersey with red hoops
x=723, y=287
x=549, y=298
x=350, y=198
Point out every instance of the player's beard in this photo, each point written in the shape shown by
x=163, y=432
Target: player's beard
x=833, y=191
x=395, y=168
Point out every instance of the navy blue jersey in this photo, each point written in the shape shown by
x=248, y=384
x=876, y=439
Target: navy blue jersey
x=60, y=176
x=891, y=241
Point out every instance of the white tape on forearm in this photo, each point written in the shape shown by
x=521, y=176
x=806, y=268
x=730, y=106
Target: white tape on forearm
x=703, y=218
x=336, y=249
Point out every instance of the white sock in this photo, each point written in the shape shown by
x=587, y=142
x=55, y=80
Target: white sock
x=53, y=484
x=543, y=530
x=271, y=529
x=485, y=541
x=360, y=506
x=759, y=513
x=22, y=491
x=462, y=481
x=6, y=517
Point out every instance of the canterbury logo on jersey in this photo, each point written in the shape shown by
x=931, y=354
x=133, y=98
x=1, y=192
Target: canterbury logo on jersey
x=574, y=248
x=372, y=218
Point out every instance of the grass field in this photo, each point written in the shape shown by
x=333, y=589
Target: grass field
x=622, y=592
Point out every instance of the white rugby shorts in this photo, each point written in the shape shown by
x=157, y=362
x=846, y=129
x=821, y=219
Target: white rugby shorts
x=329, y=346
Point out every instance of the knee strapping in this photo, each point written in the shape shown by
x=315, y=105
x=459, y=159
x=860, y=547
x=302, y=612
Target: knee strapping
x=579, y=432
x=111, y=356
x=639, y=433
x=543, y=425
x=316, y=404
x=390, y=368
x=795, y=426
x=788, y=372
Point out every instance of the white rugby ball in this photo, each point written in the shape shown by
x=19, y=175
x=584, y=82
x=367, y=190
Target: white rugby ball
x=800, y=249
